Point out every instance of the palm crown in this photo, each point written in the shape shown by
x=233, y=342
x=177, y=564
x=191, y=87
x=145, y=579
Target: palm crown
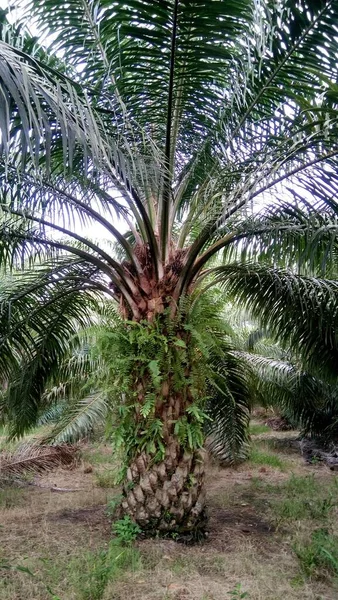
x=176, y=118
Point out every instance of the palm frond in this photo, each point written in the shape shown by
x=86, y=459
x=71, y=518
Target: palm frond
x=310, y=403
x=36, y=329
x=52, y=414
x=30, y=458
x=302, y=236
x=130, y=58
x=300, y=311
x=228, y=409
x=79, y=419
x=30, y=97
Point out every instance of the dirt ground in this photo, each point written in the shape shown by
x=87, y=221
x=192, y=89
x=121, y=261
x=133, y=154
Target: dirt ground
x=51, y=542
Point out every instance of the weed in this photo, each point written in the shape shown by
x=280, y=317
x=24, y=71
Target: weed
x=319, y=556
x=302, y=508
x=257, y=429
x=126, y=530
x=96, y=456
x=96, y=580
x=103, y=567
x=106, y=479
x=237, y=594
x=11, y=497
x=180, y=566
x=302, y=485
x=23, y=569
x=257, y=457
x=302, y=498
x=297, y=582
x=113, y=504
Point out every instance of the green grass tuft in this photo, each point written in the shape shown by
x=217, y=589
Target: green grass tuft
x=92, y=572
x=319, y=556
x=11, y=497
x=106, y=479
x=257, y=457
x=304, y=498
x=96, y=456
x=257, y=429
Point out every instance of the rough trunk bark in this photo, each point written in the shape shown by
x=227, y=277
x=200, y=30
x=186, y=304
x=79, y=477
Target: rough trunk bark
x=164, y=496
x=167, y=497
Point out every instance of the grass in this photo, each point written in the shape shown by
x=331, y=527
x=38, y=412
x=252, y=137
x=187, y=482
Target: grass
x=265, y=458
x=305, y=508
x=91, y=573
x=318, y=556
x=106, y=478
x=87, y=574
x=97, y=455
x=273, y=535
x=11, y=497
x=303, y=498
x=258, y=428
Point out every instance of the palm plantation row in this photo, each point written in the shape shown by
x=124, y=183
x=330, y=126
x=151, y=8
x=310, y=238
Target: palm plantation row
x=206, y=131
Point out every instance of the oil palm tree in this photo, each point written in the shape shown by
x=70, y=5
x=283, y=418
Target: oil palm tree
x=191, y=132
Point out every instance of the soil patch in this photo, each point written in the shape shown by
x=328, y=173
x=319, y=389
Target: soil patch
x=227, y=525
x=94, y=515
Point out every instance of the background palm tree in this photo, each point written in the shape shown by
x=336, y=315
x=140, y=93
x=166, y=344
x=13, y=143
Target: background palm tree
x=177, y=118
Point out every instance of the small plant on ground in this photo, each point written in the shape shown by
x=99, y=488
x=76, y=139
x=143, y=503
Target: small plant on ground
x=257, y=457
x=305, y=498
x=106, y=479
x=10, y=497
x=319, y=556
x=237, y=594
x=126, y=530
x=258, y=428
x=99, y=568
x=113, y=504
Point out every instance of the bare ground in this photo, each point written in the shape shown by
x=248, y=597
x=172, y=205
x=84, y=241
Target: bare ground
x=56, y=536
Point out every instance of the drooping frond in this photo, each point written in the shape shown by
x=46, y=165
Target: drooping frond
x=37, y=324
x=34, y=109
x=52, y=414
x=79, y=419
x=31, y=458
x=303, y=237
x=228, y=393
x=308, y=401
x=300, y=311
x=228, y=408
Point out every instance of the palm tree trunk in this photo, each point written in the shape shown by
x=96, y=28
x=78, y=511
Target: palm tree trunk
x=167, y=497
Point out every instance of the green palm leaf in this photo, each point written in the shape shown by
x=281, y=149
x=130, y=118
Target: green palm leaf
x=78, y=420
x=36, y=328
x=301, y=311
x=308, y=401
x=228, y=410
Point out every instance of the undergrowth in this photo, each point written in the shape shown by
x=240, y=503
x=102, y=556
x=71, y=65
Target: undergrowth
x=106, y=479
x=260, y=457
x=304, y=507
x=92, y=572
x=304, y=498
x=318, y=557
x=11, y=497
x=258, y=428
